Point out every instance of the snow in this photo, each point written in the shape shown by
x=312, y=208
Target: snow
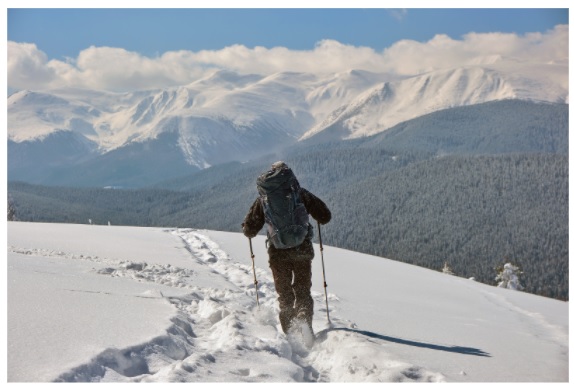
x=116, y=304
x=275, y=109
x=390, y=103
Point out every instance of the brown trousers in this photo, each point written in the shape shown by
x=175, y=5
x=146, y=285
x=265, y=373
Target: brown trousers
x=293, y=285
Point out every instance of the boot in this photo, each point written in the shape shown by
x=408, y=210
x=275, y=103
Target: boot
x=286, y=316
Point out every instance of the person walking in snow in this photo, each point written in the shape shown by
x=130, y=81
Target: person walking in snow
x=285, y=207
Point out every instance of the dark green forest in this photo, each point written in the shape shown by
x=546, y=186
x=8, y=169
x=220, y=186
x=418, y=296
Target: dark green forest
x=475, y=187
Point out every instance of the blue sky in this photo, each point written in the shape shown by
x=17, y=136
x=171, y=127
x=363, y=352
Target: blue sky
x=61, y=33
x=134, y=49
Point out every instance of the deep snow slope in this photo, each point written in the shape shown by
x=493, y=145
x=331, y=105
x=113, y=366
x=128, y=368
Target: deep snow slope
x=108, y=303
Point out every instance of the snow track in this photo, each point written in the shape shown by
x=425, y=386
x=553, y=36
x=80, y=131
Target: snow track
x=219, y=334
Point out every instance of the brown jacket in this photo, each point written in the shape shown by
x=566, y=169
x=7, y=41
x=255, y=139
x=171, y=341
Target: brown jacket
x=255, y=220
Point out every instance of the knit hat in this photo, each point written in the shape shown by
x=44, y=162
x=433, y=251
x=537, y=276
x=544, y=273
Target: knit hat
x=278, y=165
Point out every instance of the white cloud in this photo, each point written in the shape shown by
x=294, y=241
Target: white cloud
x=410, y=57
x=27, y=65
x=116, y=69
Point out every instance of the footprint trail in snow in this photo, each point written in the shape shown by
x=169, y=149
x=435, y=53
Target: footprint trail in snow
x=220, y=335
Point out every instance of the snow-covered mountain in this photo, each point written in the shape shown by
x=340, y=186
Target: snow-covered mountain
x=390, y=103
x=213, y=119
x=228, y=116
x=120, y=304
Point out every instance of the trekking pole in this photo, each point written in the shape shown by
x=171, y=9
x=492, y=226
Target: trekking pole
x=323, y=264
x=254, y=276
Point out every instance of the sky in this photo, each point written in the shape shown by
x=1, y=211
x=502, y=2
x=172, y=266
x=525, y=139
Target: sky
x=126, y=49
x=62, y=33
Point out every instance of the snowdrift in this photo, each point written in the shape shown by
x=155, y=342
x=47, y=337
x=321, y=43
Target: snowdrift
x=108, y=303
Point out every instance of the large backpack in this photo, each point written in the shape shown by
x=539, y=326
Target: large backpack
x=285, y=214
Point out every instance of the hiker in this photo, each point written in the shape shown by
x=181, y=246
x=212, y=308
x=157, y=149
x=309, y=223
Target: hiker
x=288, y=239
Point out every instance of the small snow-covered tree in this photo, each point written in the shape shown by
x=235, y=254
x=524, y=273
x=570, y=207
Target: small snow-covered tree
x=509, y=277
x=446, y=269
x=11, y=209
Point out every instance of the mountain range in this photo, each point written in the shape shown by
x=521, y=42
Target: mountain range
x=87, y=137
